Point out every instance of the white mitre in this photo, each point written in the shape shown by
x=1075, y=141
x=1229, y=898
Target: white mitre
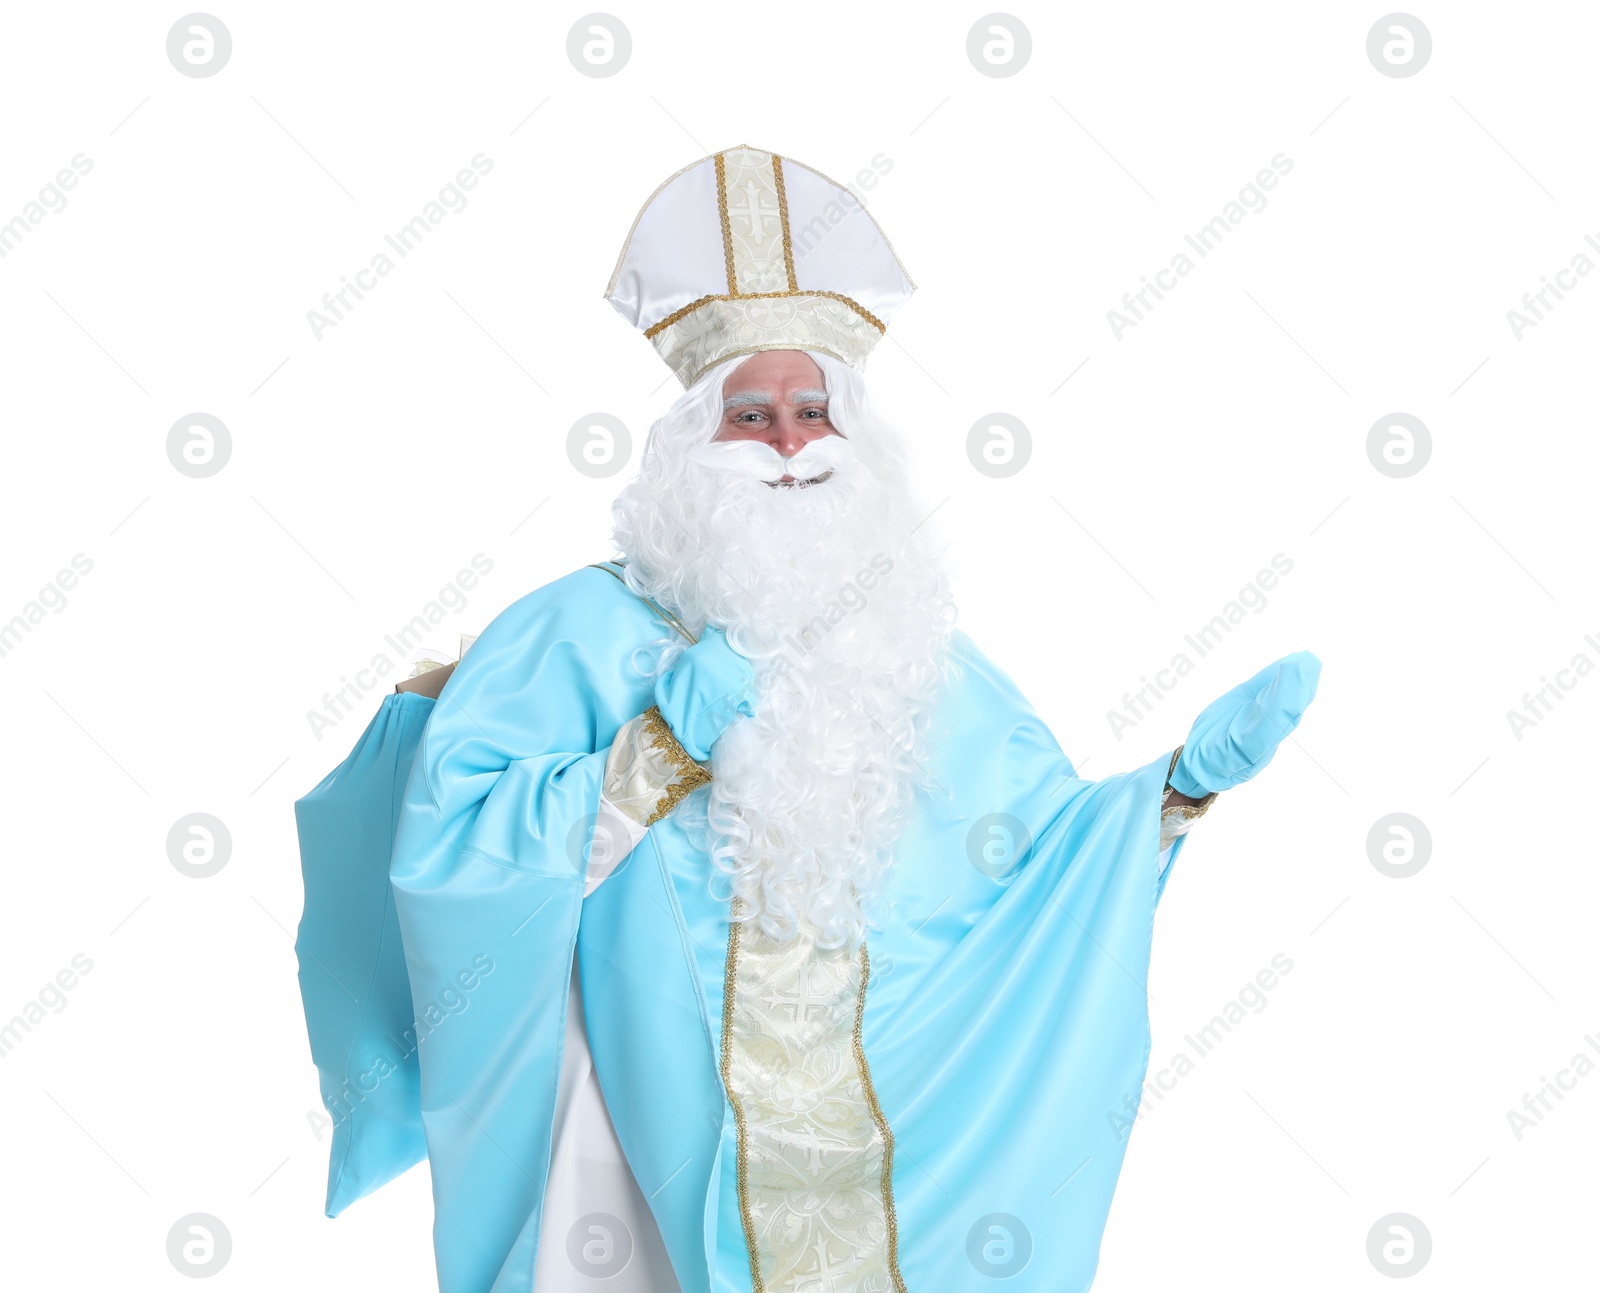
x=744, y=251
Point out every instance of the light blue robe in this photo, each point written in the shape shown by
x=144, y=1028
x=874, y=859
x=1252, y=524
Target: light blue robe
x=1005, y=1024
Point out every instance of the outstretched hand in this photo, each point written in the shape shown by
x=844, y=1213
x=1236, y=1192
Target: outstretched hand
x=1236, y=736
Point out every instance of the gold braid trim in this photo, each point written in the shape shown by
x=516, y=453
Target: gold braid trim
x=783, y=219
x=887, y=1179
x=672, y=318
x=690, y=775
x=722, y=215
x=730, y=977
x=1188, y=812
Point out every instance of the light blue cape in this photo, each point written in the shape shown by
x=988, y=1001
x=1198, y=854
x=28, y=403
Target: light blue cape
x=1005, y=1024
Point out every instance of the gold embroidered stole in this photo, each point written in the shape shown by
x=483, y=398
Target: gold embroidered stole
x=815, y=1154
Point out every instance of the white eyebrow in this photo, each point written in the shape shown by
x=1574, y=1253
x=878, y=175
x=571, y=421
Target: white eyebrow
x=739, y=398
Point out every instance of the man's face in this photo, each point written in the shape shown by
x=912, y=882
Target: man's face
x=779, y=398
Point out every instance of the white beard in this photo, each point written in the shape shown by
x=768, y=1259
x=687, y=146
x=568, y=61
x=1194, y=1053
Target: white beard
x=846, y=614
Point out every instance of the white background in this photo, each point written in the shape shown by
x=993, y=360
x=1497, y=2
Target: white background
x=430, y=424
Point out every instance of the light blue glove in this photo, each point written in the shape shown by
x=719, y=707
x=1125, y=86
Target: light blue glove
x=708, y=686
x=1236, y=736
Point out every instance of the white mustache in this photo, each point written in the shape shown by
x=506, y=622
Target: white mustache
x=760, y=461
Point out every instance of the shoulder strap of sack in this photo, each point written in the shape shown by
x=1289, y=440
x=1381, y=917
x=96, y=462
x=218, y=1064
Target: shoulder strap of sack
x=615, y=568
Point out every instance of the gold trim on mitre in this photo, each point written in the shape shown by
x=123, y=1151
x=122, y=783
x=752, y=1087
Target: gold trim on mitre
x=722, y=217
x=720, y=327
x=755, y=227
x=764, y=308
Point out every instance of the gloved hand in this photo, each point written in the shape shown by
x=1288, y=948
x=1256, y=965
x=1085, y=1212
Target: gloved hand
x=708, y=686
x=1236, y=736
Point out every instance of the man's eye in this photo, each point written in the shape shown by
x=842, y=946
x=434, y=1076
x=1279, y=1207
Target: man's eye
x=743, y=416
x=821, y=413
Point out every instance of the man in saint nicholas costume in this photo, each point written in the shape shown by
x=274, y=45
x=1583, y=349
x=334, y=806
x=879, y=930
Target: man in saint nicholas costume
x=816, y=968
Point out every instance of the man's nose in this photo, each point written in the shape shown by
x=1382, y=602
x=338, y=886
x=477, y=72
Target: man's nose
x=791, y=437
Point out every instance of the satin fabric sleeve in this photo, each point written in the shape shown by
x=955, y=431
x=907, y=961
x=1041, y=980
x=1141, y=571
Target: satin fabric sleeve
x=1007, y=1020
x=489, y=872
x=353, y=980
